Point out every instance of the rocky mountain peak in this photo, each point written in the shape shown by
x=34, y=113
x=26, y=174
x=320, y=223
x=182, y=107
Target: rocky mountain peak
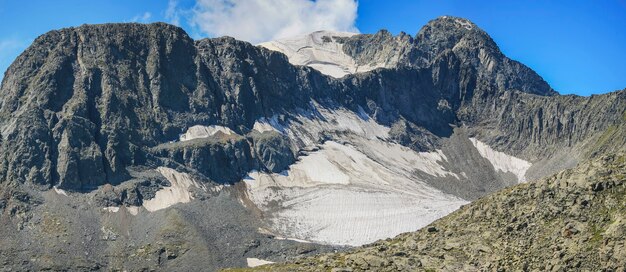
x=447, y=41
x=56, y=55
x=106, y=124
x=451, y=25
x=455, y=39
x=77, y=105
x=450, y=33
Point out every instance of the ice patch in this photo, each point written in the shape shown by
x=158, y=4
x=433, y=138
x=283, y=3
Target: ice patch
x=318, y=169
x=111, y=209
x=196, y=132
x=178, y=192
x=292, y=239
x=346, y=216
x=59, y=191
x=262, y=125
x=348, y=194
x=134, y=210
x=310, y=125
x=254, y=262
x=353, y=194
x=407, y=160
x=321, y=51
x=502, y=161
x=217, y=188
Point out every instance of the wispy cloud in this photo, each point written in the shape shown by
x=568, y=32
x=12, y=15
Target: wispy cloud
x=173, y=13
x=142, y=18
x=262, y=20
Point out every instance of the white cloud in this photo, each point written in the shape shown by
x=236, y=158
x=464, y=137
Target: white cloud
x=263, y=20
x=173, y=13
x=142, y=18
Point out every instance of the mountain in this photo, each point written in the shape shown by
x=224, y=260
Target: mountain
x=145, y=149
x=573, y=220
x=446, y=39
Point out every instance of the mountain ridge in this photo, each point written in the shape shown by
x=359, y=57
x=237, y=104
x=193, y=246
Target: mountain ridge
x=118, y=117
x=459, y=35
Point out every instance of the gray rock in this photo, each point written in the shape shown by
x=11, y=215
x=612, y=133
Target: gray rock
x=102, y=98
x=94, y=109
x=273, y=150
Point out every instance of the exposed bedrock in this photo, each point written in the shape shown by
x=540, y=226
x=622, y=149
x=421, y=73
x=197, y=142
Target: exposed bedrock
x=82, y=104
x=112, y=126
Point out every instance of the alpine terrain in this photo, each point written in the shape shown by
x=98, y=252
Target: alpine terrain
x=571, y=221
x=134, y=147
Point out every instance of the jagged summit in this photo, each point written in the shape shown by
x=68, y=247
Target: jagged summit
x=449, y=33
x=348, y=53
x=338, y=53
x=445, y=39
x=454, y=22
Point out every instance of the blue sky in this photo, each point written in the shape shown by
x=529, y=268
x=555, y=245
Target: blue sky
x=577, y=46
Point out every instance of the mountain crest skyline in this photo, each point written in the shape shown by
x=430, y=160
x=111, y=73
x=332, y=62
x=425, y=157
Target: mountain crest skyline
x=214, y=153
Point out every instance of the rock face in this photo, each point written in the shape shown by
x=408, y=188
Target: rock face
x=573, y=220
x=448, y=45
x=82, y=104
x=93, y=112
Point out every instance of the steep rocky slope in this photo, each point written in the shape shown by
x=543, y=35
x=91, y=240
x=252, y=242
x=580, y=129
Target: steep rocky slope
x=95, y=98
x=216, y=143
x=573, y=220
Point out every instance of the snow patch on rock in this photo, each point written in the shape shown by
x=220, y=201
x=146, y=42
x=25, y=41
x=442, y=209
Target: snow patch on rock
x=59, y=191
x=309, y=126
x=292, y=239
x=254, y=262
x=198, y=131
x=177, y=192
x=349, y=181
x=502, y=161
x=321, y=51
x=133, y=210
x=262, y=125
x=111, y=209
x=217, y=188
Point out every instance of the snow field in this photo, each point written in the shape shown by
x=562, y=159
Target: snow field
x=320, y=51
x=502, y=161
